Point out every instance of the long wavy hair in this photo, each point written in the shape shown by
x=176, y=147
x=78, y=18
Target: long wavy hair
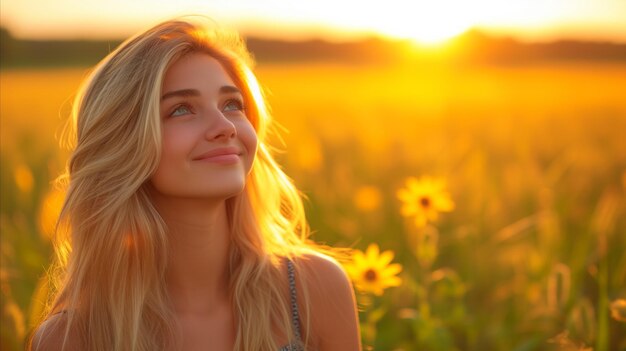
x=112, y=244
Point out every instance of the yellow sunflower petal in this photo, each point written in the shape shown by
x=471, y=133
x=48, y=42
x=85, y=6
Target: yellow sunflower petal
x=392, y=281
x=392, y=269
x=352, y=271
x=444, y=204
x=359, y=259
x=377, y=290
x=404, y=195
x=384, y=259
x=372, y=252
x=420, y=220
x=412, y=183
x=432, y=215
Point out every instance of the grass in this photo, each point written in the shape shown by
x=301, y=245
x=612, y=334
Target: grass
x=534, y=158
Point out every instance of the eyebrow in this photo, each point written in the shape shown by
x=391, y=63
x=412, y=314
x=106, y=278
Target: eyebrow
x=194, y=92
x=229, y=89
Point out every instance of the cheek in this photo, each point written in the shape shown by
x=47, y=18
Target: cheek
x=250, y=142
x=177, y=142
x=175, y=147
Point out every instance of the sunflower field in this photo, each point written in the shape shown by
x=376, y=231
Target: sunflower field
x=485, y=205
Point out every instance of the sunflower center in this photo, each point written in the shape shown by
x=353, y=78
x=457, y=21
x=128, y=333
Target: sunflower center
x=425, y=201
x=370, y=275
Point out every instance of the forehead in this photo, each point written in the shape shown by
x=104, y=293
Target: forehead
x=198, y=71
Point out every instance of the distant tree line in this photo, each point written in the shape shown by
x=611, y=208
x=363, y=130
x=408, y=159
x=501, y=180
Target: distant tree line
x=476, y=46
x=472, y=47
x=27, y=53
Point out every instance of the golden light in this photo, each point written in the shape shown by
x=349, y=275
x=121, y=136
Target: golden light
x=23, y=178
x=50, y=211
x=427, y=22
x=368, y=198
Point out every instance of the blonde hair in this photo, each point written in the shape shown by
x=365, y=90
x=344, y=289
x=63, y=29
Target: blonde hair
x=112, y=243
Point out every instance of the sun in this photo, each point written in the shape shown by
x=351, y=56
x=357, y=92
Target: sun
x=426, y=22
x=427, y=33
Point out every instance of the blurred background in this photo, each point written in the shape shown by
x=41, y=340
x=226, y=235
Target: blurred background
x=481, y=143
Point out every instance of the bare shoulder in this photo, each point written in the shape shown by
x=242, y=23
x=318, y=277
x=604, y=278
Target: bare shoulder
x=50, y=335
x=334, y=319
x=319, y=268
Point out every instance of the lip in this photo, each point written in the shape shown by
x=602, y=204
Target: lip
x=220, y=155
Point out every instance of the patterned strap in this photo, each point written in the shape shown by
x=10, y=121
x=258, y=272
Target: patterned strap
x=295, y=316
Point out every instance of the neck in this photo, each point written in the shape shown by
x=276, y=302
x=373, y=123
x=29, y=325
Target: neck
x=198, y=270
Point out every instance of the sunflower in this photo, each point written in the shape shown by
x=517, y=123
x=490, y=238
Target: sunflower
x=372, y=272
x=423, y=199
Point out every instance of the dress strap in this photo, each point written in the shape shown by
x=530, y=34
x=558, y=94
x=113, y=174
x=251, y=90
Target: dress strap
x=295, y=315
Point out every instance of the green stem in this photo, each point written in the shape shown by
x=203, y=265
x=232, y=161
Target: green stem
x=603, y=301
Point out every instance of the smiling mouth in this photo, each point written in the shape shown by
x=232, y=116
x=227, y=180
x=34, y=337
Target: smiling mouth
x=230, y=158
x=221, y=155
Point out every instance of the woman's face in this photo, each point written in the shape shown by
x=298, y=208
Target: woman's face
x=208, y=142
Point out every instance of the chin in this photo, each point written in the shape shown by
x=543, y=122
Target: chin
x=217, y=188
x=226, y=191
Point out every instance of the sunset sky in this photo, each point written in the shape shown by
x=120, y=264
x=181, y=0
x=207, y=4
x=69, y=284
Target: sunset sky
x=424, y=21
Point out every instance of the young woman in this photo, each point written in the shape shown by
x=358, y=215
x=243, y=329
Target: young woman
x=179, y=230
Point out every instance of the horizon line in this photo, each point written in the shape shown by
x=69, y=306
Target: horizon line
x=357, y=36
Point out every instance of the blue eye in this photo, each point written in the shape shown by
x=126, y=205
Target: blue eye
x=234, y=105
x=181, y=110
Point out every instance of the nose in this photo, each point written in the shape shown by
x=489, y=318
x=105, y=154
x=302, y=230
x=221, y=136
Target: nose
x=219, y=127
